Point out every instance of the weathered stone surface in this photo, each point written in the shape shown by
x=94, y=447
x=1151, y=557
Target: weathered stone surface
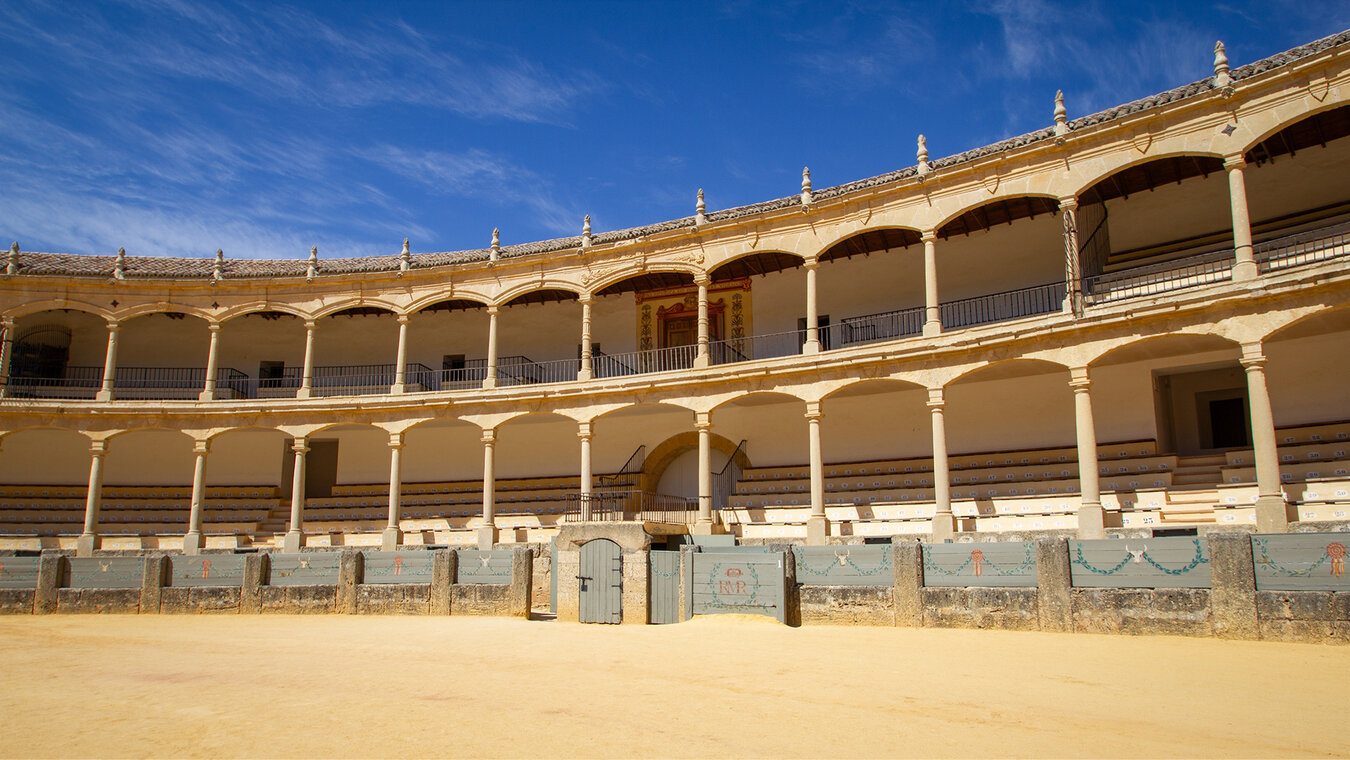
x=351, y=573
x=207, y=599
x=176, y=601
x=1179, y=611
x=444, y=574
x=1305, y=631
x=542, y=583
x=637, y=580
x=847, y=605
x=17, y=601
x=154, y=577
x=1341, y=604
x=257, y=573
x=908, y=592
x=1054, y=611
x=1232, y=598
x=569, y=588
x=522, y=583
x=480, y=599
x=394, y=599
x=299, y=600
x=99, y=601
x=53, y=573
x=1014, y=609
x=1296, y=605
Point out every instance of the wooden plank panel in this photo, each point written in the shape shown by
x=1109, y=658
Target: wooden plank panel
x=994, y=565
x=1301, y=561
x=208, y=570
x=105, y=572
x=665, y=584
x=738, y=583
x=601, y=582
x=398, y=567
x=1172, y=562
x=19, y=572
x=309, y=569
x=844, y=565
x=486, y=567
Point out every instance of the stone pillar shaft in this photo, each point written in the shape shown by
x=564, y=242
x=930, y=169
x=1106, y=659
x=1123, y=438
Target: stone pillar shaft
x=944, y=524
x=489, y=477
x=812, y=344
x=701, y=355
x=94, y=495
x=584, y=433
x=490, y=378
x=1073, y=276
x=193, y=541
x=1271, y=507
x=6, y=353
x=401, y=358
x=1244, y=266
x=307, y=378
x=393, y=535
x=932, y=316
x=295, y=533
x=703, y=423
x=109, y=363
x=212, y=352
x=1091, y=518
x=817, y=526
x=585, y=372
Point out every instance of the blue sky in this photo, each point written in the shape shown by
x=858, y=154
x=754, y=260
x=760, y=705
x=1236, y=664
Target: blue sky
x=175, y=128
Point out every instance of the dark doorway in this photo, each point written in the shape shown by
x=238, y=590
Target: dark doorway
x=1228, y=423
x=321, y=469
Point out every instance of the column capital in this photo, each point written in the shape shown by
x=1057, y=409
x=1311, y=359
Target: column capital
x=7, y=322
x=114, y=325
x=1236, y=161
x=201, y=447
x=586, y=299
x=98, y=448
x=703, y=420
x=928, y=236
x=402, y=319
x=813, y=412
x=213, y=326
x=703, y=279
x=493, y=310
x=1068, y=203
x=300, y=445
x=1253, y=363
x=311, y=324
x=584, y=431
x=395, y=440
x=811, y=262
x=490, y=436
x=936, y=401
x=1253, y=354
x=1078, y=379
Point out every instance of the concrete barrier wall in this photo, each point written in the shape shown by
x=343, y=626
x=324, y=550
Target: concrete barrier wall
x=309, y=583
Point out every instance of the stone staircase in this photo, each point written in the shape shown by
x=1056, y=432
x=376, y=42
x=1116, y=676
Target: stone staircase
x=1194, y=493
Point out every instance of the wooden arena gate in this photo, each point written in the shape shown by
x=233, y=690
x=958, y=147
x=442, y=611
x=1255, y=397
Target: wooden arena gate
x=741, y=582
x=601, y=580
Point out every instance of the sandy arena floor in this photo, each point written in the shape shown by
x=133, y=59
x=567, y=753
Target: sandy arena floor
x=714, y=687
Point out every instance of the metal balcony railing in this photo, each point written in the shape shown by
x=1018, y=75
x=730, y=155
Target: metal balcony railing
x=870, y=328
x=756, y=347
x=1303, y=248
x=527, y=372
x=1163, y=277
x=617, y=506
x=998, y=307
x=131, y=383
x=642, y=362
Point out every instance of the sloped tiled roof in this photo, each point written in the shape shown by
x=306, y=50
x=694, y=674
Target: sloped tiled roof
x=148, y=267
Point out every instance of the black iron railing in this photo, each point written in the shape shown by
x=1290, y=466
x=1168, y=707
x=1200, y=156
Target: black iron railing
x=997, y=307
x=1303, y=248
x=1164, y=277
x=617, y=506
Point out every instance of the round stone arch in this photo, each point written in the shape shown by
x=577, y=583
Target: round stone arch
x=666, y=452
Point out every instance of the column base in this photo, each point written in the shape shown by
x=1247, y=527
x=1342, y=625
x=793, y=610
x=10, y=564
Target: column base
x=1244, y=270
x=206, y=396
x=103, y=396
x=703, y=526
x=303, y=393
x=293, y=541
x=390, y=539
x=1272, y=514
x=932, y=329
x=944, y=526
x=1091, y=521
x=817, y=530
x=397, y=389
x=87, y=544
x=489, y=383
x=701, y=361
x=811, y=347
x=487, y=536
x=585, y=375
x=194, y=542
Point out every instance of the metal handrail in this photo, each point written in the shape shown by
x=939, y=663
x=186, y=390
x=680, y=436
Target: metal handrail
x=997, y=307
x=644, y=361
x=1163, y=277
x=751, y=347
x=871, y=328
x=1303, y=247
x=617, y=506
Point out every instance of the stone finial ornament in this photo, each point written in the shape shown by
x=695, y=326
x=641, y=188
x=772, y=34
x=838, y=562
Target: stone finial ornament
x=120, y=264
x=1222, y=80
x=496, y=245
x=700, y=209
x=313, y=267
x=12, y=267
x=404, y=258
x=218, y=270
x=586, y=232
x=1061, y=116
x=922, y=156
x=806, y=186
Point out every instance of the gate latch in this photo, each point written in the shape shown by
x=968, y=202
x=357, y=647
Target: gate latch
x=584, y=578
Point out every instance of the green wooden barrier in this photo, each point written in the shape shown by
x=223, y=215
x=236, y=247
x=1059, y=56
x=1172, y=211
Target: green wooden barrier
x=665, y=587
x=1301, y=561
x=485, y=567
x=398, y=567
x=844, y=565
x=105, y=572
x=994, y=565
x=308, y=569
x=19, y=572
x=743, y=582
x=208, y=570
x=1171, y=562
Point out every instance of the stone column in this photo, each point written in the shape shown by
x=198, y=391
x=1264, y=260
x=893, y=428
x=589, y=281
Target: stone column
x=817, y=526
x=6, y=353
x=307, y=378
x=812, y=343
x=1272, y=511
x=584, y=433
x=701, y=356
x=89, y=541
x=295, y=534
x=109, y=364
x=487, y=535
x=209, y=387
x=584, y=372
x=401, y=357
x=1073, y=274
x=1244, y=267
x=392, y=536
x=1091, y=516
x=907, y=593
x=490, y=378
x=932, y=315
x=194, y=541
x=703, y=423
x=944, y=523
x=1054, y=585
